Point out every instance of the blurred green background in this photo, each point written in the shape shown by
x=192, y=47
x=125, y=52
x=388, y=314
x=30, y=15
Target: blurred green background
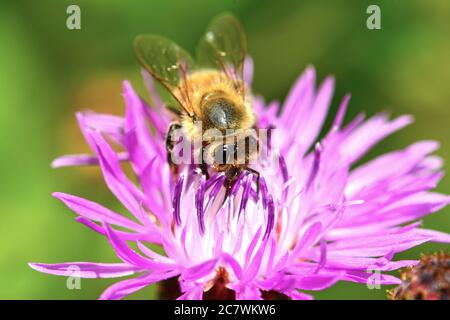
x=48, y=72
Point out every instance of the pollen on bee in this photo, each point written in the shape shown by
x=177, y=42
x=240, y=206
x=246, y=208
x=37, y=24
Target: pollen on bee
x=209, y=36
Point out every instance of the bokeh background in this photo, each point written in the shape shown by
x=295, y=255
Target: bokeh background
x=47, y=72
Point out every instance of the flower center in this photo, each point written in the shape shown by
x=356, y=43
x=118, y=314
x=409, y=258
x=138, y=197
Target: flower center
x=219, y=291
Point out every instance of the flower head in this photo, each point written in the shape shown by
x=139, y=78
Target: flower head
x=314, y=219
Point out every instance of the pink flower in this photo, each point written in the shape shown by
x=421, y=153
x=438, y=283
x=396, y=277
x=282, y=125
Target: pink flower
x=316, y=220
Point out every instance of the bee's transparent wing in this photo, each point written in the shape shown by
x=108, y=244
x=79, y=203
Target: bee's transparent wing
x=167, y=63
x=224, y=46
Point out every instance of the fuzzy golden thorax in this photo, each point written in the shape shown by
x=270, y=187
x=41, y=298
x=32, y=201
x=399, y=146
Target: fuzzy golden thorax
x=216, y=101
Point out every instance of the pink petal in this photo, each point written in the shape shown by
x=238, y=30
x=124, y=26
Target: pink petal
x=81, y=160
x=304, y=86
x=308, y=239
x=141, y=146
x=389, y=165
x=94, y=211
x=87, y=269
x=319, y=282
x=311, y=127
x=368, y=134
x=377, y=245
x=128, y=255
x=128, y=194
x=107, y=124
x=248, y=70
x=149, y=236
x=199, y=270
x=126, y=287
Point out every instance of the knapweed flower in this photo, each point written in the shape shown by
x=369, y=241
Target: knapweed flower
x=316, y=220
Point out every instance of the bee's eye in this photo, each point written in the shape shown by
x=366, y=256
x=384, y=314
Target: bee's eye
x=221, y=114
x=225, y=154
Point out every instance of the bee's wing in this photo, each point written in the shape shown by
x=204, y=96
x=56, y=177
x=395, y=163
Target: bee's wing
x=224, y=46
x=168, y=63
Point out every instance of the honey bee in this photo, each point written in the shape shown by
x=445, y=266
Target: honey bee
x=211, y=91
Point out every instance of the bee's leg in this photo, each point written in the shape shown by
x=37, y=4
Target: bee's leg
x=258, y=176
x=204, y=168
x=170, y=144
x=203, y=165
x=269, y=136
x=231, y=177
x=228, y=189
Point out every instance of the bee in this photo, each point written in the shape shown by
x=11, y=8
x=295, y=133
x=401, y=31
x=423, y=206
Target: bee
x=210, y=91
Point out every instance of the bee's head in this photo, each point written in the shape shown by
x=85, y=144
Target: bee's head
x=242, y=150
